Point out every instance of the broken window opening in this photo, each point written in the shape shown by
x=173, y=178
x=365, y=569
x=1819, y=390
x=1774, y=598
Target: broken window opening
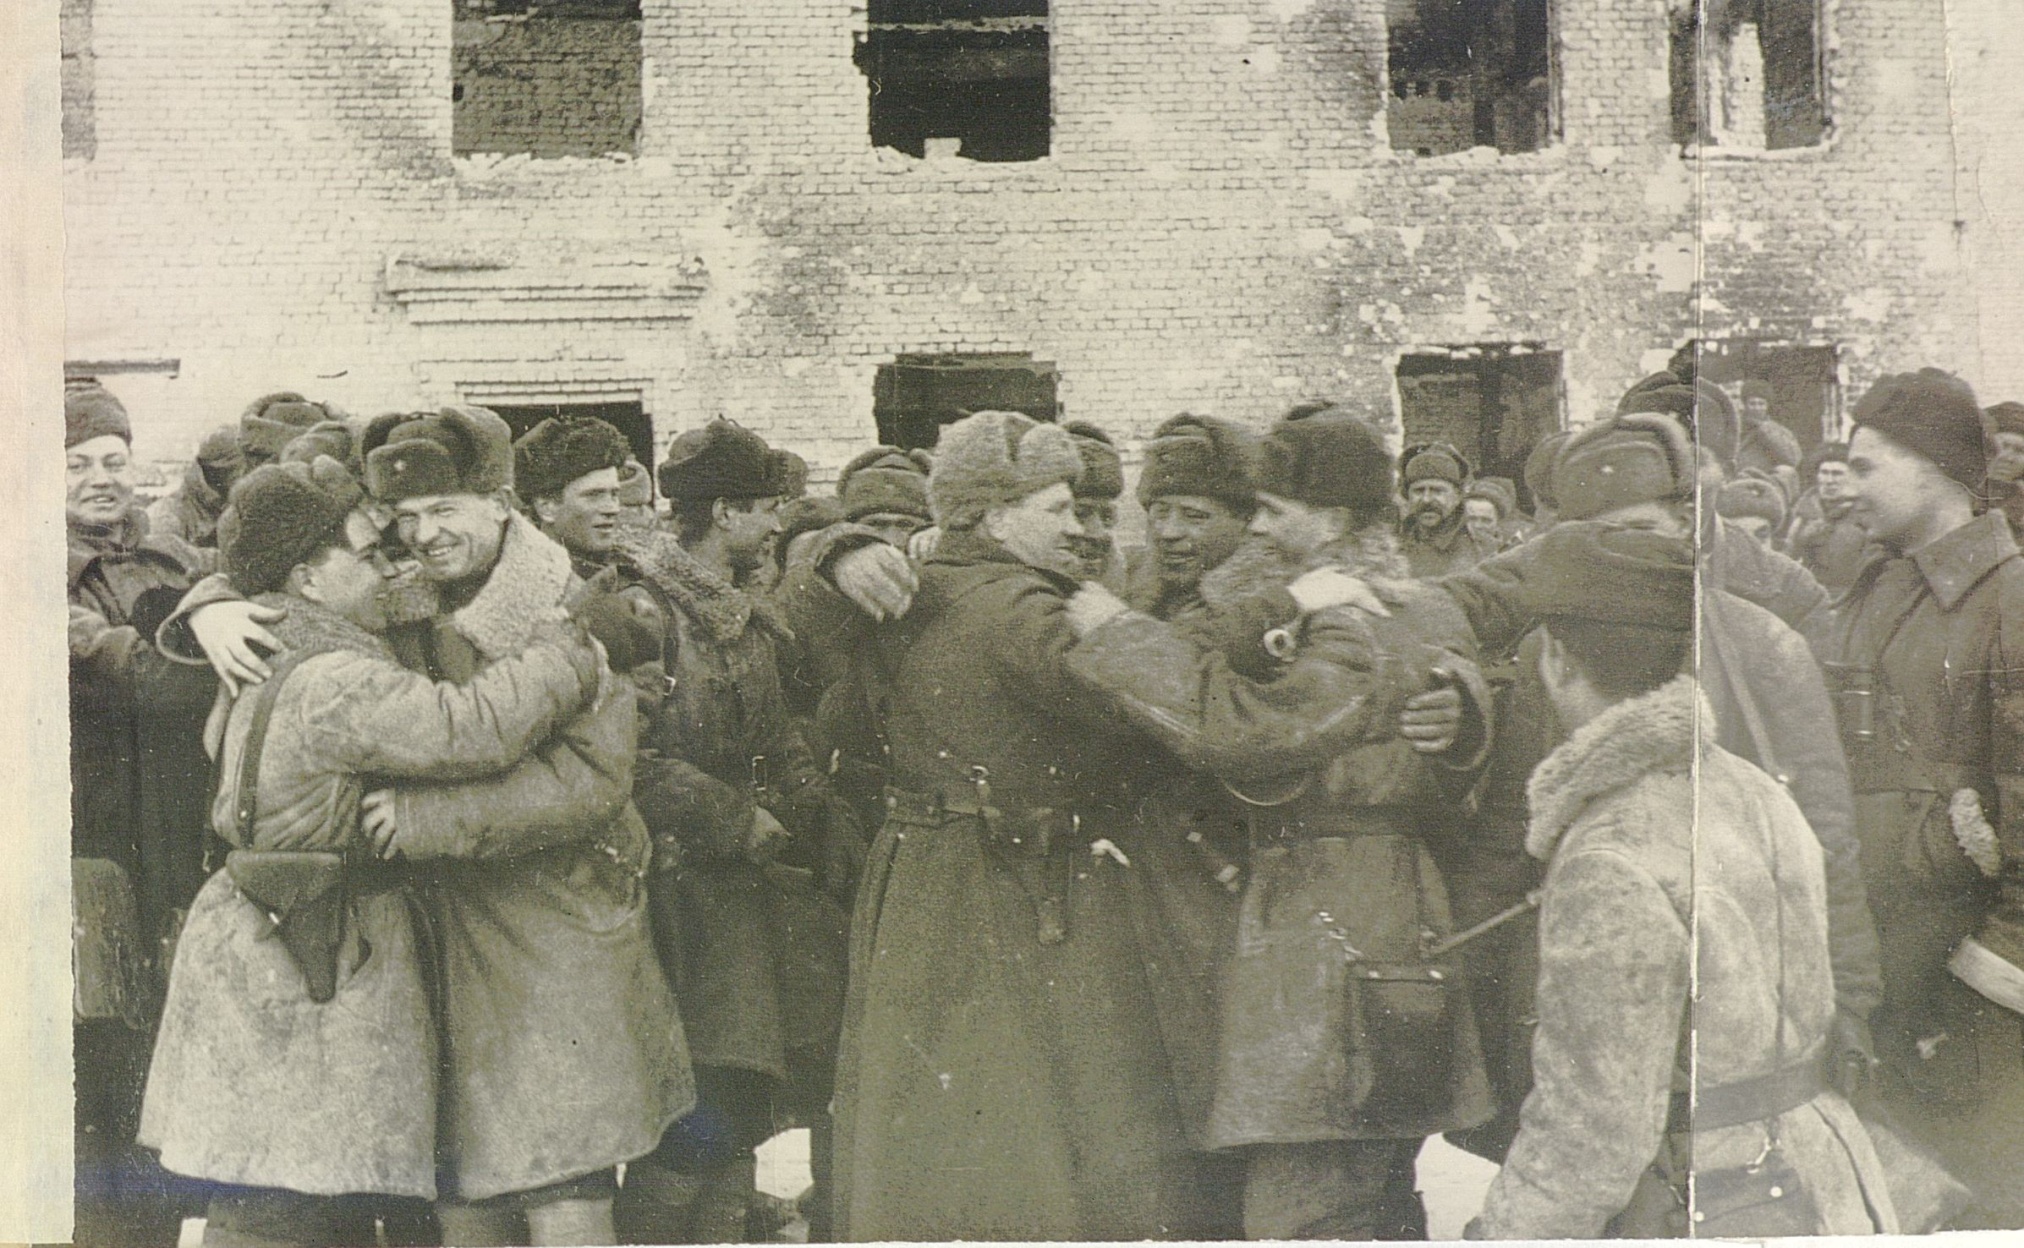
x=629, y=417
x=967, y=78
x=1470, y=73
x=1798, y=387
x=546, y=78
x=1746, y=75
x=1493, y=402
x=77, y=80
x=915, y=395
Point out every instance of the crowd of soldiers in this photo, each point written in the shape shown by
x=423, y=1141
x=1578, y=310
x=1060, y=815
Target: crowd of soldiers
x=491, y=841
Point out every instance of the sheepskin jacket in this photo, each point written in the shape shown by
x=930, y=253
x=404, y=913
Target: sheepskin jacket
x=1677, y=870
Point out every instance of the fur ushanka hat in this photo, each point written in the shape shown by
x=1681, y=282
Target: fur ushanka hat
x=458, y=450
x=991, y=459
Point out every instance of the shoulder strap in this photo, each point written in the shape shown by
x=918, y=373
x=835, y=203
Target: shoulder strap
x=246, y=794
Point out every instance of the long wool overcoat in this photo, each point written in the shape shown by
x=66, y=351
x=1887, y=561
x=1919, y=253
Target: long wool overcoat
x=1343, y=885
x=995, y=1085
x=1662, y=877
x=253, y=1083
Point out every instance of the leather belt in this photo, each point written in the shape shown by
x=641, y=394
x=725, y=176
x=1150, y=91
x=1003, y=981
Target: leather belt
x=1749, y=1100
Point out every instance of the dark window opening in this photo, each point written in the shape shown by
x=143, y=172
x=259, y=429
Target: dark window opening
x=77, y=80
x=1470, y=73
x=1746, y=74
x=546, y=79
x=961, y=77
x=1493, y=402
x=629, y=418
x=916, y=395
x=1800, y=386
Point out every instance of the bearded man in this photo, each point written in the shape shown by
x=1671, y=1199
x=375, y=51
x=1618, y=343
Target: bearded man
x=1433, y=529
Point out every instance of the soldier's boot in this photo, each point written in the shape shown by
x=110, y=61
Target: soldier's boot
x=478, y=1226
x=572, y=1222
x=1992, y=960
x=657, y=1205
x=725, y=1206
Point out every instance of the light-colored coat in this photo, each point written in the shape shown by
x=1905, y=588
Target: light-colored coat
x=1664, y=880
x=253, y=1083
x=563, y=1050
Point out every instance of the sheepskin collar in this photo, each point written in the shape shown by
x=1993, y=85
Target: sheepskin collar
x=1654, y=733
x=527, y=586
x=310, y=626
x=702, y=593
x=1372, y=554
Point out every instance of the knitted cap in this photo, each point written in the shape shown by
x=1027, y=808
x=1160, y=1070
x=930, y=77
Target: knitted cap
x=1752, y=496
x=2006, y=417
x=458, y=450
x=888, y=480
x=1639, y=458
x=991, y=459
x=90, y=411
x=1706, y=413
x=635, y=484
x=334, y=438
x=1102, y=469
x=723, y=459
x=1584, y=569
x=1325, y=457
x=281, y=515
x=1499, y=490
x=557, y=451
x=272, y=421
x=1933, y=414
x=1434, y=461
x=1202, y=456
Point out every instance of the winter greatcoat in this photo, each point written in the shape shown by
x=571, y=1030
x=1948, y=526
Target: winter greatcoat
x=564, y=1052
x=1318, y=1043
x=758, y=967
x=1940, y=633
x=253, y=1083
x=1659, y=880
x=996, y=1084
x=191, y=513
x=139, y=778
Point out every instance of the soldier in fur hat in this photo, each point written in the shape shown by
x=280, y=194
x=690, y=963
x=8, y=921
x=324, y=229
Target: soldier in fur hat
x=566, y=472
x=565, y=1056
x=1432, y=527
x=138, y=783
x=1329, y=1126
x=1096, y=495
x=1005, y=1075
x=1931, y=706
x=752, y=850
x=2005, y=487
x=303, y=1141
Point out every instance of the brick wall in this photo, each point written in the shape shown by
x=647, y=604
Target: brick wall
x=1222, y=224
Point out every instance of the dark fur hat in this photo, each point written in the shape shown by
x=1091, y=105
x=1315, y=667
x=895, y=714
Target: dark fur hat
x=281, y=515
x=334, y=438
x=559, y=450
x=272, y=421
x=1203, y=456
x=1325, y=457
x=1583, y=569
x=1102, y=469
x=723, y=459
x=1639, y=458
x=885, y=480
x=1706, y=413
x=1932, y=414
x=458, y=450
x=2006, y=417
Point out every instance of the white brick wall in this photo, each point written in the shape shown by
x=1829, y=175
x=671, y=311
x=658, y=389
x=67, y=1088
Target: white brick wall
x=1221, y=227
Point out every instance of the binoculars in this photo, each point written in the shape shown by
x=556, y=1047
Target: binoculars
x=1853, y=688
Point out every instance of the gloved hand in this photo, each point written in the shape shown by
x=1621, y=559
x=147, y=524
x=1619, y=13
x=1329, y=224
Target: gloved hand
x=876, y=577
x=1091, y=607
x=1333, y=587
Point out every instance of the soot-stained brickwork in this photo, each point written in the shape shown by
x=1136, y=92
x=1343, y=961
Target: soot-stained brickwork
x=1220, y=221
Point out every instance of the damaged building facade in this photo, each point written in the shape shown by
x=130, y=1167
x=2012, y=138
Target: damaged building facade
x=837, y=222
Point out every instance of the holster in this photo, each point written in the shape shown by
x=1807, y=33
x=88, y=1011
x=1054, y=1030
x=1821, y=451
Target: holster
x=304, y=896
